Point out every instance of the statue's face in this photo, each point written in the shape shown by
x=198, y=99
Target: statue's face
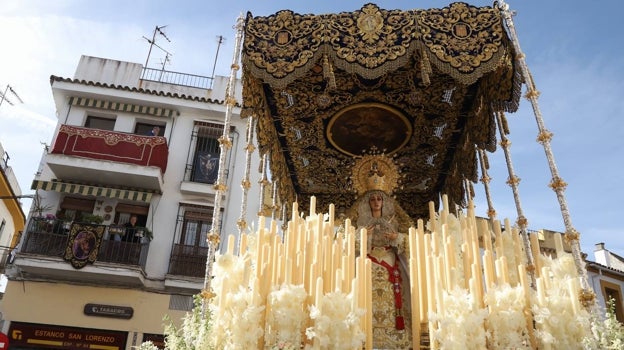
x=375, y=201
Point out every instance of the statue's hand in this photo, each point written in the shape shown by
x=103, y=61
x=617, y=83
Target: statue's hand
x=391, y=235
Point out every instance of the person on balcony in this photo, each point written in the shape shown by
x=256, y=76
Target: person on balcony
x=155, y=131
x=132, y=234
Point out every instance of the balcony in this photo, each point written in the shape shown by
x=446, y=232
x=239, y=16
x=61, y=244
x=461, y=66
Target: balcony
x=189, y=261
x=113, y=158
x=46, y=242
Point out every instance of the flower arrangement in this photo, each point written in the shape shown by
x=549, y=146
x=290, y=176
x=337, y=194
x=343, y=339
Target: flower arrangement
x=336, y=326
x=606, y=332
x=506, y=322
x=558, y=321
x=194, y=333
x=288, y=315
x=461, y=324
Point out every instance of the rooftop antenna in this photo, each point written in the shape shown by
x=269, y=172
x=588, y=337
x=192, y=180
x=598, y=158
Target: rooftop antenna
x=3, y=95
x=220, y=40
x=152, y=42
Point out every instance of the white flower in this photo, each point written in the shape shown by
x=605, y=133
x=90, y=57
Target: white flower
x=287, y=314
x=336, y=326
x=460, y=326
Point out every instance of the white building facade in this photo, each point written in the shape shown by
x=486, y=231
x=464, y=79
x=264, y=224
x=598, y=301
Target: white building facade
x=103, y=168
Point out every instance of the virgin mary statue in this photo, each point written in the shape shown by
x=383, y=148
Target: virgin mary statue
x=387, y=225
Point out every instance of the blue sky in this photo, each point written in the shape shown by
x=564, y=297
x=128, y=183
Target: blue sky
x=572, y=49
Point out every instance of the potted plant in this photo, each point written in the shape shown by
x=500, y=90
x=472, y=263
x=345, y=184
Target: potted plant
x=92, y=218
x=145, y=232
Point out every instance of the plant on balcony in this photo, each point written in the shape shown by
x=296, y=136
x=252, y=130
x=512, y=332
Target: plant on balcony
x=145, y=232
x=92, y=218
x=39, y=208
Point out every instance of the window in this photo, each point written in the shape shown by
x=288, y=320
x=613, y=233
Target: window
x=190, y=249
x=145, y=129
x=613, y=291
x=203, y=162
x=124, y=211
x=94, y=122
x=74, y=208
x=195, y=226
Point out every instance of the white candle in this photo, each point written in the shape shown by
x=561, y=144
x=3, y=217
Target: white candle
x=346, y=279
x=222, y=298
x=295, y=212
x=541, y=295
x=558, y=245
x=338, y=281
x=466, y=263
x=312, y=205
x=414, y=295
x=242, y=249
x=505, y=268
x=432, y=216
x=319, y=292
x=487, y=270
x=536, y=253
x=289, y=271
x=363, y=243
x=369, y=306
x=422, y=272
x=354, y=294
x=230, y=244
x=573, y=288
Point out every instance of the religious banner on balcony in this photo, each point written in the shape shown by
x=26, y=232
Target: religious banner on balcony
x=83, y=244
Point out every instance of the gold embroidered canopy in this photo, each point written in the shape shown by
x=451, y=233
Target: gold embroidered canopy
x=419, y=85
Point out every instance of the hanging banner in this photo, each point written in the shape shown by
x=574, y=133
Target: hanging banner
x=83, y=244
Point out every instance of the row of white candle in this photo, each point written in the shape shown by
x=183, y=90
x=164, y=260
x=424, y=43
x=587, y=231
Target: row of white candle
x=310, y=254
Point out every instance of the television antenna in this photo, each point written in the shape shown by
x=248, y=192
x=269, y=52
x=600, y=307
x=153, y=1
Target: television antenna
x=3, y=95
x=220, y=40
x=152, y=42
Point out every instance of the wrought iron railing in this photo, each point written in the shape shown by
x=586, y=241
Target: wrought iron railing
x=187, y=260
x=49, y=237
x=175, y=78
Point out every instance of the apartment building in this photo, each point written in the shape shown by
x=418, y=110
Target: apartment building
x=84, y=276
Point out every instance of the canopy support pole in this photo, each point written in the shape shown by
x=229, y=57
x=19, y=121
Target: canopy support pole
x=544, y=137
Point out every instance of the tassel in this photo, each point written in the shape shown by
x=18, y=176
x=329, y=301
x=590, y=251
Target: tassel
x=400, y=323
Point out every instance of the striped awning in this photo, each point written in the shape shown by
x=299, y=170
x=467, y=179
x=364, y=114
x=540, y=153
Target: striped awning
x=97, y=191
x=121, y=107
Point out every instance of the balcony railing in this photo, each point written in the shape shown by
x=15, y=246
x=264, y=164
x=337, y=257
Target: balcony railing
x=112, y=145
x=188, y=260
x=175, y=78
x=50, y=238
